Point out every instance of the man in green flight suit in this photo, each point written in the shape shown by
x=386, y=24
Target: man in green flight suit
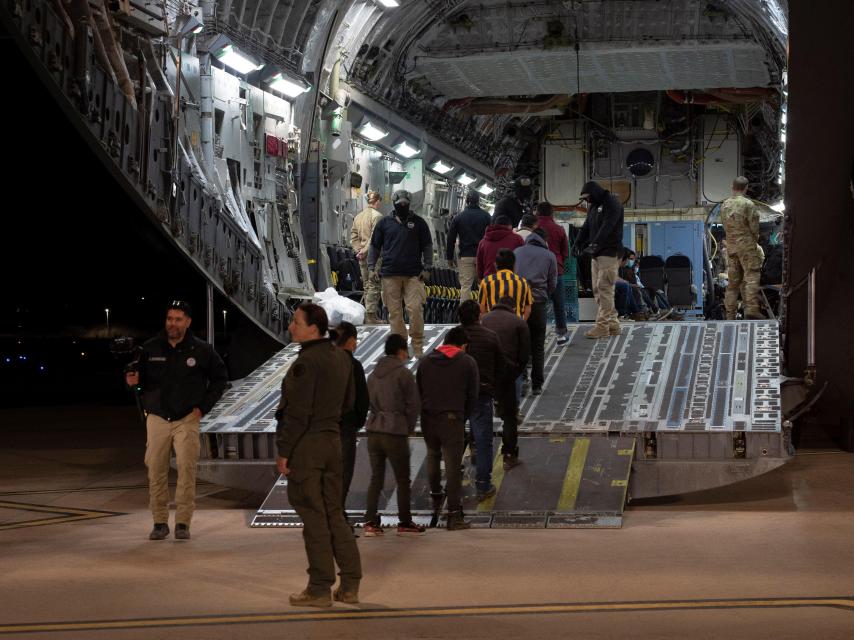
x=316, y=390
x=741, y=223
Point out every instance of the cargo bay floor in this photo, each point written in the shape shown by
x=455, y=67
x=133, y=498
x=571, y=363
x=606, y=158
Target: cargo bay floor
x=770, y=557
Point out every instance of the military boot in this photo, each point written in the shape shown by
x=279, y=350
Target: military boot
x=598, y=331
x=348, y=594
x=159, y=532
x=614, y=329
x=307, y=598
x=457, y=522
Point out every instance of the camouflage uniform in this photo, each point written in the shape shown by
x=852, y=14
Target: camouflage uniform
x=360, y=239
x=744, y=256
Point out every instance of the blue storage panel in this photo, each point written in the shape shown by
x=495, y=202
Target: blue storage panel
x=674, y=237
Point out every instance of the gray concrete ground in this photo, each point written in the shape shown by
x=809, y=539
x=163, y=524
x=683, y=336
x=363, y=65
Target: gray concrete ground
x=776, y=551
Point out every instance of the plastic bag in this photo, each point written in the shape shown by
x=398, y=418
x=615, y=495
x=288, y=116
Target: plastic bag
x=340, y=309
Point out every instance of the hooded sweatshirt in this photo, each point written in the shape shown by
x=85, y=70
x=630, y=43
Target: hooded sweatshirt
x=538, y=266
x=603, y=228
x=495, y=238
x=448, y=385
x=394, y=398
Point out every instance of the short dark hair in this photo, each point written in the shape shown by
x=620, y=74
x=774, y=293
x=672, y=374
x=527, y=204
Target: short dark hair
x=545, y=209
x=740, y=184
x=529, y=220
x=626, y=253
x=507, y=301
x=180, y=305
x=315, y=315
x=469, y=312
x=541, y=232
x=457, y=336
x=343, y=332
x=505, y=259
x=395, y=343
x=501, y=221
x=473, y=198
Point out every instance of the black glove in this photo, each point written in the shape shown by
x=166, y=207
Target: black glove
x=590, y=249
x=576, y=251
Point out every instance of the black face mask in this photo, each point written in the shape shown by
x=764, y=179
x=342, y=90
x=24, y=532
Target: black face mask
x=401, y=212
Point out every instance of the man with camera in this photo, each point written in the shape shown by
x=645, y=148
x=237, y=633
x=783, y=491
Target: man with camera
x=180, y=377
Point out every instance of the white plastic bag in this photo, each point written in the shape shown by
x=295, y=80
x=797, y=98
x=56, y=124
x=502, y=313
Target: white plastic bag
x=340, y=309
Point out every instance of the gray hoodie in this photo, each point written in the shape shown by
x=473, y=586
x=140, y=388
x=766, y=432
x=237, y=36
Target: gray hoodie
x=395, y=404
x=538, y=266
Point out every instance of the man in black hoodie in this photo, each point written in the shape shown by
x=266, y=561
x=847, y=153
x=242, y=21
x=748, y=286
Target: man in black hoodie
x=601, y=238
x=448, y=384
x=470, y=225
x=515, y=338
x=484, y=347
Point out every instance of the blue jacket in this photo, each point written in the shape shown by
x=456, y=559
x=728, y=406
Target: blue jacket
x=406, y=248
x=538, y=265
x=470, y=224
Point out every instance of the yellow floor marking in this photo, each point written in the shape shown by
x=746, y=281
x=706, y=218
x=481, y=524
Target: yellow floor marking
x=572, y=480
x=61, y=515
x=351, y=614
x=497, y=479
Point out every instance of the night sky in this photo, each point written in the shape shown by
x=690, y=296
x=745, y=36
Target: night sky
x=75, y=246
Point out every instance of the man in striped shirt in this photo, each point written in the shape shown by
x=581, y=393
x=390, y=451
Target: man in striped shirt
x=505, y=283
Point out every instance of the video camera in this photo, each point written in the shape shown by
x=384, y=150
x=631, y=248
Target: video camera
x=125, y=350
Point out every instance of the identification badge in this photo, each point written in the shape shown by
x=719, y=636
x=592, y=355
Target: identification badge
x=191, y=362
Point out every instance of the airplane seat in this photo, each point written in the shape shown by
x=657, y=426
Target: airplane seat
x=680, y=281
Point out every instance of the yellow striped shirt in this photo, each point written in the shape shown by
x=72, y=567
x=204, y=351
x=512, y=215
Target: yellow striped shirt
x=506, y=283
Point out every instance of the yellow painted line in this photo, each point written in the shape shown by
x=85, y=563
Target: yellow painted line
x=373, y=614
x=625, y=452
x=574, y=470
x=619, y=483
x=61, y=515
x=497, y=479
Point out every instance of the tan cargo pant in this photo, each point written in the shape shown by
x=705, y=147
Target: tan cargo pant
x=409, y=291
x=371, y=298
x=468, y=274
x=743, y=270
x=163, y=435
x=604, y=276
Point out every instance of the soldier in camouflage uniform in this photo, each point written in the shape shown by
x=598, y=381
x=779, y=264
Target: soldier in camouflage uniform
x=744, y=255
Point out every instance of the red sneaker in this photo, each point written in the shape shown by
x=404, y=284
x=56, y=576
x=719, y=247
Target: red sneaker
x=371, y=530
x=410, y=529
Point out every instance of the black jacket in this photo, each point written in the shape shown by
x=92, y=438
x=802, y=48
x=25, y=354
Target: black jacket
x=485, y=348
x=354, y=419
x=513, y=334
x=509, y=206
x=603, y=229
x=406, y=247
x=447, y=385
x=176, y=380
x=470, y=225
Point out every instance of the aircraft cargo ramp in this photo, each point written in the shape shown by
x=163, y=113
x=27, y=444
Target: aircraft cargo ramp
x=661, y=409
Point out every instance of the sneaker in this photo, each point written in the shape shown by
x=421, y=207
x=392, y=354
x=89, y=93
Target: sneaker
x=486, y=493
x=410, y=529
x=308, y=599
x=159, y=532
x=372, y=530
x=348, y=595
x=182, y=532
x=510, y=460
x=535, y=391
x=562, y=340
x=457, y=522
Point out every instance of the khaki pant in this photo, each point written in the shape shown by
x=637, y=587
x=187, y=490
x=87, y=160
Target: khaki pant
x=314, y=491
x=604, y=272
x=744, y=270
x=409, y=291
x=468, y=274
x=163, y=435
x=371, y=298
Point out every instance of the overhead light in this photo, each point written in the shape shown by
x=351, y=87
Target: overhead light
x=391, y=4
x=441, y=168
x=186, y=24
x=465, y=179
x=287, y=86
x=230, y=56
x=485, y=189
x=404, y=149
x=371, y=132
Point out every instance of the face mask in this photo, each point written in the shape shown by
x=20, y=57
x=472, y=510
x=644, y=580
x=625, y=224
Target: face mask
x=630, y=263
